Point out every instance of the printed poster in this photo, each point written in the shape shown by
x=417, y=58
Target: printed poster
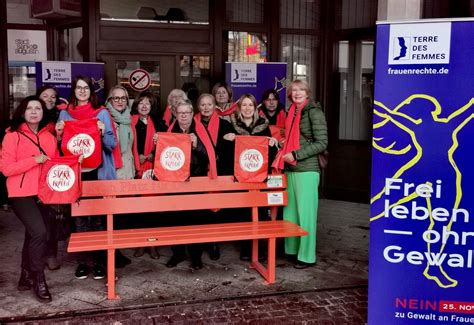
x=422, y=220
x=255, y=78
x=60, y=75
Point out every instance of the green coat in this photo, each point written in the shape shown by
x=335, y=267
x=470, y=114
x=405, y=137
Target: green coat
x=313, y=139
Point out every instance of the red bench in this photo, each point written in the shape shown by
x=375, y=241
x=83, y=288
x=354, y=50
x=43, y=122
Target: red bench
x=115, y=197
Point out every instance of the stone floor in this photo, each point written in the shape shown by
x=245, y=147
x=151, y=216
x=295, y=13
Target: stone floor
x=342, y=269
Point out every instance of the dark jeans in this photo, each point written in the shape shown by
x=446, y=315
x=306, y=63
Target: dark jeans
x=29, y=211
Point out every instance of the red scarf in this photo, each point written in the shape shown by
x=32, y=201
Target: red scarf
x=281, y=118
x=149, y=145
x=292, y=135
x=212, y=127
x=167, y=117
x=207, y=142
x=229, y=109
x=87, y=111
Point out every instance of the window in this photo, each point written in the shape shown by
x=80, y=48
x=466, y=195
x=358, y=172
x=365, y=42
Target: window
x=244, y=11
x=175, y=11
x=125, y=68
x=195, y=74
x=300, y=51
x=355, y=13
x=71, y=45
x=246, y=47
x=299, y=14
x=356, y=86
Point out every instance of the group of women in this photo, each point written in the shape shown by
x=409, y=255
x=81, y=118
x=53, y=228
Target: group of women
x=128, y=135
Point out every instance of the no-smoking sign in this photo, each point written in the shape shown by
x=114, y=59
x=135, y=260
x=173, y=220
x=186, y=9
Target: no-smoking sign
x=139, y=80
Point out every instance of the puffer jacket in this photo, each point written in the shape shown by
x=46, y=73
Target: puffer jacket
x=18, y=159
x=313, y=139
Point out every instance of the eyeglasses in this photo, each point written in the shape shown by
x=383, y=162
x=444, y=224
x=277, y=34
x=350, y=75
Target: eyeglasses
x=119, y=99
x=86, y=88
x=184, y=113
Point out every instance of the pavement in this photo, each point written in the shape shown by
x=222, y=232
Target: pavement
x=334, y=291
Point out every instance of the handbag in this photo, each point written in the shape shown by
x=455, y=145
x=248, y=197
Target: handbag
x=323, y=159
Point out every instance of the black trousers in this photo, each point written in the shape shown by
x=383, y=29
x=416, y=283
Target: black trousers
x=30, y=212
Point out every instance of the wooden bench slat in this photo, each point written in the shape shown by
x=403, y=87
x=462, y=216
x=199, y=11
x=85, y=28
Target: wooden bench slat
x=185, y=202
x=195, y=184
x=120, y=239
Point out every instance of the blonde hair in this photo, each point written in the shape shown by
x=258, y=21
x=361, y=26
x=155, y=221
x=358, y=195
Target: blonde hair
x=302, y=84
x=176, y=93
x=206, y=95
x=119, y=87
x=254, y=102
x=186, y=103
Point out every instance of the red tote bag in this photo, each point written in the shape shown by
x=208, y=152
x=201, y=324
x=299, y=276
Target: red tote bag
x=82, y=137
x=173, y=157
x=60, y=181
x=251, y=158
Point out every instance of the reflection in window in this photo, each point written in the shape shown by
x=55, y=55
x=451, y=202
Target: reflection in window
x=125, y=68
x=355, y=13
x=247, y=47
x=71, y=45
x=18, y=12
x=244, y=11
x=356, y=86
x=176, y=11
x=195, y=74
x=300, y=14
x=299, y=51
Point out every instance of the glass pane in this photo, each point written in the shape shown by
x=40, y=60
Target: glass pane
x=18, y=12
x=356, y=88
x=71, y=46
x=355, y=13
x=175, y=11
x=21, y=82
x=300, y=14
x=247, y=47
x=125, y=68
x=195, y=74
x=300, y=51
x=244, y=11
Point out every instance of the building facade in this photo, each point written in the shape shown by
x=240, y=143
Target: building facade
x=185, y=44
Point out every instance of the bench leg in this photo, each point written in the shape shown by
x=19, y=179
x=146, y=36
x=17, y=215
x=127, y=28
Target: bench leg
x=111, y=275
x=271, y=260
x=254, y=251
x=269, y=272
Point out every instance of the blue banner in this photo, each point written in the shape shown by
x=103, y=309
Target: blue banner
x=421, y=228
x=60, y=75
x=255, y=78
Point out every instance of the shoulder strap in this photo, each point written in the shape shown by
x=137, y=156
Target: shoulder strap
x=34, y=142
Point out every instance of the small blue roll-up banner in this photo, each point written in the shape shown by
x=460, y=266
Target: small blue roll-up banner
x=422, y=194
x=255, y=78
x=61, y=74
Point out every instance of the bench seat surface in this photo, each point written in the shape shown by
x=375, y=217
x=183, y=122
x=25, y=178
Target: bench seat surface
x=163, y=236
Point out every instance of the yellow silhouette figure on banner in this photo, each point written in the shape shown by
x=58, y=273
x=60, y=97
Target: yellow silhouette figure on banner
x=421, y=140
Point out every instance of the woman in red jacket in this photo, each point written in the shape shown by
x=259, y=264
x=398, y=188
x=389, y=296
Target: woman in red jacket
x=26, y=146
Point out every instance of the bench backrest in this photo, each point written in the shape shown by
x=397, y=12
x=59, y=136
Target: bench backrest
x=199, y=193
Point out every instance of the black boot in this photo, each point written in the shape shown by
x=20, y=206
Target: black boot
x=26, y=282
x=214, y=253
x=41, y=288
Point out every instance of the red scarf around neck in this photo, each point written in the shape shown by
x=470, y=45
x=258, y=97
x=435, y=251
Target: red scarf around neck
x=281, y=117
x=167, y=116
x=149, y=145
x=229, y=109
x=207, y=142
x=292, y=135
x=212, y=127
